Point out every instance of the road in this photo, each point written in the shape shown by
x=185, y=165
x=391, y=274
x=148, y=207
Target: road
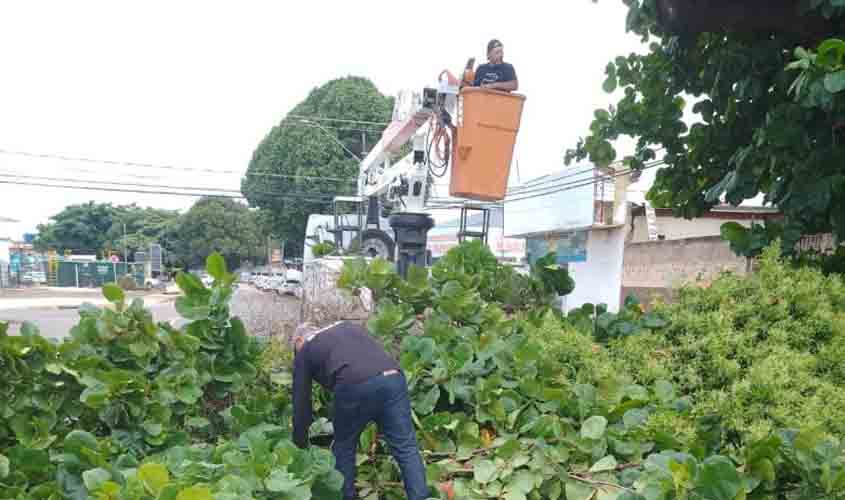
x=264, y=313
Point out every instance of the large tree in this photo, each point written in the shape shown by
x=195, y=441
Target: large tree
x=216, y=225
x=98, y=228
x=309, y=150
x=757, y=131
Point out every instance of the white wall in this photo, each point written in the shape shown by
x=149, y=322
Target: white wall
x=5, y=256
x=599, y=279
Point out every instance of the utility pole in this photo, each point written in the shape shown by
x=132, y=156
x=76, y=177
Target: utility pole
x=269, y=254
x=125, y=260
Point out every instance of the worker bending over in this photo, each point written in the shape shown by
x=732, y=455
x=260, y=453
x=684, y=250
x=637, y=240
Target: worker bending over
x=496, y=74
x=368, y=386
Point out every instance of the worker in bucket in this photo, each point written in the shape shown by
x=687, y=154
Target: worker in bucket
x=368, y=386
x=496, y=74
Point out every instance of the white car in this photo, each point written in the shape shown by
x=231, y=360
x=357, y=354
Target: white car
x=292, y=287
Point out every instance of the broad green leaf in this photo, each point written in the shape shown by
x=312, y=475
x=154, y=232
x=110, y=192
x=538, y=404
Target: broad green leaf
x=113, y=293
x=426, y=404
x=281, y=481
x=576, y=490
x=524, y=481
x=718, y=479
x=634, y=417
x=154, y=477
x=664, y=390
x=514, y=495
x=215, y=264
x=594, y=427
x=95, y=478
x=4, y=467
x=195, y=493
x=190, y=284
x=835, y=82
x=484, y=471
x=76, y=442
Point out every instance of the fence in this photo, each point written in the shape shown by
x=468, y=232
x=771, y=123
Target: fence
x=5, y=278
x=95, y=274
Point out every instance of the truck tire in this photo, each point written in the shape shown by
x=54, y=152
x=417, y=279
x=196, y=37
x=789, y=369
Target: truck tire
x=377, y=243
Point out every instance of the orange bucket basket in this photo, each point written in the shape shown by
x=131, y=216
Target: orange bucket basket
x=488, y=122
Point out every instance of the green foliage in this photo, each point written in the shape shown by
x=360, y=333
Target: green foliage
x=763, y=124
x=519, y=406
x=323, y=249
x=127, y=408
x=297, y=148
x=631, y=320
x=98, y=228
x=759, y=351
x=529, y=407
x=218, y=225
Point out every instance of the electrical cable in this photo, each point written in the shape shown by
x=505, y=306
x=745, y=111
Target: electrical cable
x=52, y=156
x=170, y=193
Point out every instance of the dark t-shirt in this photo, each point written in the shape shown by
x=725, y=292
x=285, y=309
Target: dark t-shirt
x=494, y=73
x=341, y=354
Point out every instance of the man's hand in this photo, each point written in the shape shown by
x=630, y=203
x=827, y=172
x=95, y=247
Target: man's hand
x=506, y=86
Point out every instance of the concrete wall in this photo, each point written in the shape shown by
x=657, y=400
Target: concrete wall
x=656, y=268
x=674, y=228
x=599, y=279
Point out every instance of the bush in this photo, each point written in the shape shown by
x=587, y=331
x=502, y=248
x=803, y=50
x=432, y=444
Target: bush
x=127, y=408
x=127, y=282
x=763, y=351
x=510, y=406
x=323, y=249
x=526, y=406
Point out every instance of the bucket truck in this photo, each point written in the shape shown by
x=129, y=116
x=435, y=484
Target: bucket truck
x=470, y=130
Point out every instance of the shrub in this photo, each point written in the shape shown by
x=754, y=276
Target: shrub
x=127, y=282
x=763, y=351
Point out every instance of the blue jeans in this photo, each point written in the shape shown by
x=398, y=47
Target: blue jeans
x=384, y=400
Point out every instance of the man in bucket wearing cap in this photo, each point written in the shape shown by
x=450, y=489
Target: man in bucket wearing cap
x=368, y=386
x=496, y=74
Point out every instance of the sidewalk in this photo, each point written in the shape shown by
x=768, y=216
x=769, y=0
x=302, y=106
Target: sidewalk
x=59, y=297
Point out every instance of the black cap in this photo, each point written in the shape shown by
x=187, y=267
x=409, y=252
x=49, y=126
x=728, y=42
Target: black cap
x=493, y=44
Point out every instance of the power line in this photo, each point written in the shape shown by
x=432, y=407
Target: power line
x=547, y=190
x=584, y=183
x=316, y=198
x=335, y=139
x=525, y=189
x=52, y=156
x=303, y=122
x=115, y=183
x=340, y=120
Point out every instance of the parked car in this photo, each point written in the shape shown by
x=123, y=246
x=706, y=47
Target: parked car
x=292, y=287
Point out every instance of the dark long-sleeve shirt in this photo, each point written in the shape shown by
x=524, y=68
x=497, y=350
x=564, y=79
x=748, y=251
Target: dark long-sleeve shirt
x=342, y=354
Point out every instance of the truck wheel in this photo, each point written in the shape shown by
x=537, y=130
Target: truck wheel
x=377, y=243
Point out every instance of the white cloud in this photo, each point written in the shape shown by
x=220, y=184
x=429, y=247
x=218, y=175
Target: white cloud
x=198, y=84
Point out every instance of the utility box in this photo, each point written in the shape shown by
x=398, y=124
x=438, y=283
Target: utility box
x=488, y=122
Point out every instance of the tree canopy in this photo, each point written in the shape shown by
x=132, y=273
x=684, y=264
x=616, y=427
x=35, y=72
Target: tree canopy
x=219, y=225
x=98, y=228
x=769, y=116
x=300, y=164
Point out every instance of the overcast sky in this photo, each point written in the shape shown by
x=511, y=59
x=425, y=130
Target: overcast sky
x=198, y=84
